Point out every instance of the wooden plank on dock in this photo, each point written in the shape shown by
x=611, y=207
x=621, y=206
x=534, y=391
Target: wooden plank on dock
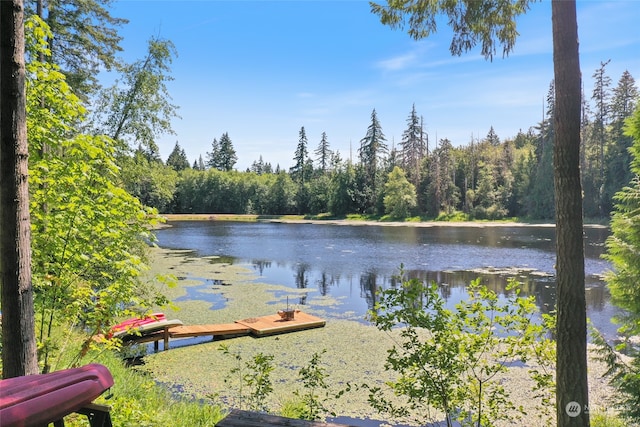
x=221, y=329
x=238, y=418
x=273, y=324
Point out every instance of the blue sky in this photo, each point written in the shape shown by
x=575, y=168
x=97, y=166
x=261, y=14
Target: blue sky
x=260, y=70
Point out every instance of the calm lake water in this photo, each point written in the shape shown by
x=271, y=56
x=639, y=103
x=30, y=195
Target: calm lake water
x=352, y=262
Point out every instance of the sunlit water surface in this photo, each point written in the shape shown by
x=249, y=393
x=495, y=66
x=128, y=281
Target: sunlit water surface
x=352, y=262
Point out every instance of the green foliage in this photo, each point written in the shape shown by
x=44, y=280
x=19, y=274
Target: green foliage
x=137, y=107
x=222, y=156
x=603, y=419
x=300, y=173
x=151, y=182
x=177, y=160
x=623, y=246
x=399, y=194
x=342, y=199
x=490, y=179
x=453, y=361
x=624, y=373
x=251, y=379
x=137, y=401
x=84, y=39
x=623, y=250
x=255, y=376
x=88, y=234
x=282, y=195
x=313, y=378
x=483, y=22
x=372, y=151
x=324, y=154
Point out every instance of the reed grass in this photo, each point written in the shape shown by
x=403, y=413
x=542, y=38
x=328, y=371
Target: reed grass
x=137, y=400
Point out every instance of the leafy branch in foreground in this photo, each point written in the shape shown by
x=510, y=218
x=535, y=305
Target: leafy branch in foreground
x=255, y=375
x=455, y=361
x=313, y=379
x=89, y=236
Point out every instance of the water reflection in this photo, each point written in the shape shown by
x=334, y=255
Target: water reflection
x=352, y=263
x=452, y=287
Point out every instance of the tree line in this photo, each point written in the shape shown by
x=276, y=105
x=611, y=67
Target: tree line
x=488, y=178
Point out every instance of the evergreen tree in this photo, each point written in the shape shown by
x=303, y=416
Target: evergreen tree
x=623, y=246
x=492, y=137
x=623, y=250
x=84, y=39
x=601, y=95
x=299, y=170
x=199, y=164
x=588, y=162
x=323, y=153
x=227, y=157
x=523, y=176
x=178, y=158
x=222, y=156
x=152, y=154
x=617, y=155
x=443, y=193
x=540, y=203
x=413, y=146
x=258, y=166
x=372, y=152
x=213, y=157
x=393, y=159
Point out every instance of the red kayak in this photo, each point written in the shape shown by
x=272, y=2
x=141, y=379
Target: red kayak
x=128, y=325
x=37, y=400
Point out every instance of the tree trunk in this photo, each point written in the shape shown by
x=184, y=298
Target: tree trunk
x=19, y=355
x=571, y=376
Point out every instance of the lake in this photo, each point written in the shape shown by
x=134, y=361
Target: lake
x=352, y=262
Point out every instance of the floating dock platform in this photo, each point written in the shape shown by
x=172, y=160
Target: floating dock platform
x=274, y=324
x=256, y=326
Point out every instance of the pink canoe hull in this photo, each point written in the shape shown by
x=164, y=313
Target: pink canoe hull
x=36, y=400
x=130, y=324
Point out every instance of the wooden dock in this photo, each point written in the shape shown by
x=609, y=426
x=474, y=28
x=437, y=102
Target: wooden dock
x=256, y=326
x=222, y=329
x=273, y=324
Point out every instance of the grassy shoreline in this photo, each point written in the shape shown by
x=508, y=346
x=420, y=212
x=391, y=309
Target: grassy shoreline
x=367, y=220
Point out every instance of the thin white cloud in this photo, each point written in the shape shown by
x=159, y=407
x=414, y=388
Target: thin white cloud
x=396, y=63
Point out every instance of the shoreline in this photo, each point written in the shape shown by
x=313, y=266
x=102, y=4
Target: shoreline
x=299, y=219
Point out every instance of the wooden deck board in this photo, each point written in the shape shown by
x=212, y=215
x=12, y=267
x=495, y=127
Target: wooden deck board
x=203, y=330
x=273, y=324
x=238, y=418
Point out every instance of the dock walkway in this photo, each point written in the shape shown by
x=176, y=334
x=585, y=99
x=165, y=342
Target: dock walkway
x=256, y=326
